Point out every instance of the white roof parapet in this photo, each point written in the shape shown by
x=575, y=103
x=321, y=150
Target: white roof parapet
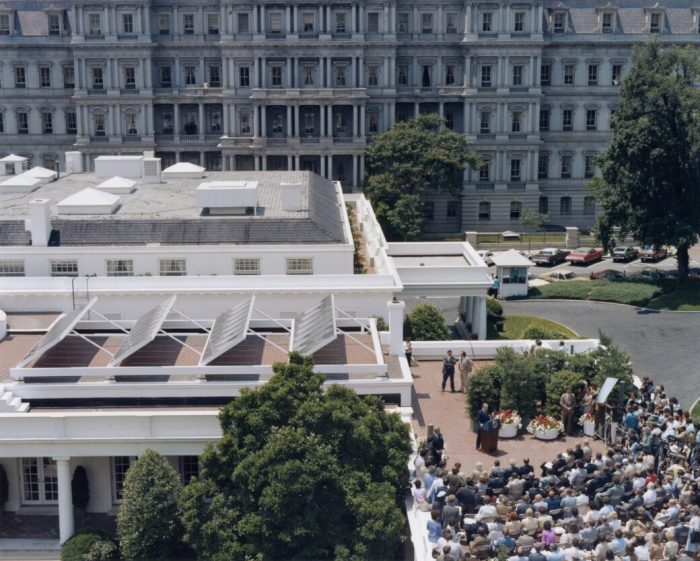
x=144, y=331
x=510, y=258
x=315, y=328
x=229, y=329
x=57, y=332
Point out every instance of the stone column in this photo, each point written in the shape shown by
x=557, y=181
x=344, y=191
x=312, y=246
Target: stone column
x=482, y=318
x=297, y=122
x=263, y=121
x=396, y=312
x=355, y=131
x=289, y=121
x=354, y=170
x=361, y=133
x=202, y=128
x=65, y=499
x=262, y=19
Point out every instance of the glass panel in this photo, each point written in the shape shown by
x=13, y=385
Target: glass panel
x=50, y=480
x=30, y=480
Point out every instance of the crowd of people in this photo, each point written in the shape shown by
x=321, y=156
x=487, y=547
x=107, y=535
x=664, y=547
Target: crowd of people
x=639, y=501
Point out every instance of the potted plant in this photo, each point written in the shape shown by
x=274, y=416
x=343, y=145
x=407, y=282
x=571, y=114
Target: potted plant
x=80, y=489
x=587, y=421
x=510, y=423
x=545, y=427
x=4, y=490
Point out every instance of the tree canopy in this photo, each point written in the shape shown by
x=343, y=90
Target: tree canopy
x=406, y=161
x=650, y=185
x=426, y=322
x=300, y=473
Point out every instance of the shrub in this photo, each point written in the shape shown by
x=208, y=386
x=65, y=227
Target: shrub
x=571, y=290
x=632, y=293
x=494, y=306
x=484, y=386
x=557, y=384
x=77, y=547
x=102, y=550
x=537, y=332
x=382, y=325
x=80, y=488
x=147, y=519
x=521, y=383
x=426, y=322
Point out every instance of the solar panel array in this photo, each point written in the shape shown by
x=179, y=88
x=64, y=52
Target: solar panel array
x=57, y=332
x=230, y=328
x=144, y=331
x=315, y=328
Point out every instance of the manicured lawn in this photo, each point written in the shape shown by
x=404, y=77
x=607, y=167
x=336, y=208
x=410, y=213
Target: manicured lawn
x=633, y=293
x=686, y=299
x=515, y=326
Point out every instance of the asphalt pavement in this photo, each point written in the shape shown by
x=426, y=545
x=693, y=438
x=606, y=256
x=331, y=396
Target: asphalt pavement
x=662, y=345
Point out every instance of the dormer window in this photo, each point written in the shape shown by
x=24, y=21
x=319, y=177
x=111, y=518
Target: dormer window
x=4, y=24
x=54, y=24
x=655, y=22
x=607, y=23
x=559, y=24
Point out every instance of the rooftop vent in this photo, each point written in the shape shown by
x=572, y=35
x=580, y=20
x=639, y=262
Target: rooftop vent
x=20, y=184
x=89, y=201
x=291, y=196
x=151, y=169
x=74, y=162
x=39, y=223
x=183, y=170
x=117, y=185
x=42, y=174
x=227, y=197
x=124, y=166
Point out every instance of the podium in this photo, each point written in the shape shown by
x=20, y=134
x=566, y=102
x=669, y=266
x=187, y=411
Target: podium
x=489, y=440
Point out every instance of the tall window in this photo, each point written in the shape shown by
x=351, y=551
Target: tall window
x=485, y=122
x=67, y=268
x=2, y=122
x=402, y=75
x=543, y=205
x=214, y=75
x=616, y=74
x=485, y=75
x=484, y=210
x=607, y=22
x=300, y=266
x=44, y=76
x=592, y=74
x=340, y=22
x=544, y=119
x=565, y=206
x=120, y=465
x=559, y=22
x=166, y=76
x=588, y=205
x=429, y=210
x=244, y=77
x=213, y=24
x=243, y=23
x=98, y=120
x=373, y=118
x=655, y=23
x=244, y=122
x=589, y=168
x=485, y=171
x=127, y=23
x=164, y=24
x=402, y=23
x=20, y=77
x=569, y=70
x=4, y=24
x=308, y=73
x=543, y=166
x=172, y=267
x=71, y=122
x=308, y=22
x=97, y=79
x=47, y=122
x=340, y=75
x=22, y=122
x=518, y=75
x=120, y=268
x=545, y=74
x=129, y=78
x=451, y=23
x=276, y=75
x=515, y=210
x=188, y=24
x=373, y=75
x=452, y=207
x=591, y=119
x=567, y=120
x=519, y=22
x=515, y=169
x=487, y=22
x=94, y=24
x=190, y=75
x=309, y=123
x=189, y=468
x=68, y=76
x=566, y=166
x=516, y=123
x=246, y=266
x=450, y=75
x=427, y=23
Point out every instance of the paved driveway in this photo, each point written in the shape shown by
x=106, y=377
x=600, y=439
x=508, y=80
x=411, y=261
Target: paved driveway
x=663, y=345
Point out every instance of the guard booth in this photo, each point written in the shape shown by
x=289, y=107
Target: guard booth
x=512, y=270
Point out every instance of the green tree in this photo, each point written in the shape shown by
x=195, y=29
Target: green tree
x=426, y=322
x=557, y=384
x=147, y=521
x=300, y=473
x=650, y=184
x=521, y=384
x=533, y=220
x=406, y=161
x=484, y=386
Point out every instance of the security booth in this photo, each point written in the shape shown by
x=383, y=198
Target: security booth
x=512, y=270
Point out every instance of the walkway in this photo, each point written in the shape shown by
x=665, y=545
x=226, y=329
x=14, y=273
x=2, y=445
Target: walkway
x=662, y=345
x=448, y=411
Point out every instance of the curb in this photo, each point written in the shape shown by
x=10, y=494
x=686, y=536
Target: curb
x=638, y=308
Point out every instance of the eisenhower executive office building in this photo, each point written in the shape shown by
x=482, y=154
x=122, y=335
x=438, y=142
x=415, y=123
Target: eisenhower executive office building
x=269, y=85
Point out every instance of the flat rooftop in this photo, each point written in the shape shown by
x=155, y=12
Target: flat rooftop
x=167, y=213
x=430, y=261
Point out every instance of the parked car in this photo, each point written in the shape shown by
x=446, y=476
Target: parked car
x=549, y=256
x=609, y=274
x=653, y=253
x=486, y=256
x=624, y=253
x=656, y=274
x=560, y=275
x=584, y=256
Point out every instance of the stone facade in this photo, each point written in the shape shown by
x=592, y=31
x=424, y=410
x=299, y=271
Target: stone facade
x=271, y=86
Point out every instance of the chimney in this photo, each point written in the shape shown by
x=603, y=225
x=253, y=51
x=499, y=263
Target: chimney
x=291, y=196
x=74, y=162
x=40, y=221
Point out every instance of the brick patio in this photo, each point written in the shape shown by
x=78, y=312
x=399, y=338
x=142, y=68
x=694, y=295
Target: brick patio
x=448, y=411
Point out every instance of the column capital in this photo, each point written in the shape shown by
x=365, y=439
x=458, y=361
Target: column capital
x=61, y=458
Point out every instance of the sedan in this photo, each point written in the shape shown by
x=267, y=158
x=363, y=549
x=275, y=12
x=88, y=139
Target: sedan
x=653, y=253
x=549, y=256
x=609, y=274
x=584, y=256
x=624, y=253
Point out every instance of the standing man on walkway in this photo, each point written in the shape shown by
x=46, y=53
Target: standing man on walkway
x=448, y=371
x=567, y=402
x=465, y=368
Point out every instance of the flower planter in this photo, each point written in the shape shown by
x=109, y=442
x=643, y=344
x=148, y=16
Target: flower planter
x=548, y=434
x=589, y=428
x=508, y=431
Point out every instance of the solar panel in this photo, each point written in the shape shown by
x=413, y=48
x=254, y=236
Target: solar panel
x=57, y=332
x=314, y=328
x=229, y=329
x=144, y=331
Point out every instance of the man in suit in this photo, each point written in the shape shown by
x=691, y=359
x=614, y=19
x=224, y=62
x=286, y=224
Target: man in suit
x=448, y=371
x=481, y=417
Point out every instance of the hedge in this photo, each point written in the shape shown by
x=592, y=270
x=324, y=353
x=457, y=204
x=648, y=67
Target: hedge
x=537, y=332
x=623, y=292
x=494, y=306
x=557, y=384
x=80, y=545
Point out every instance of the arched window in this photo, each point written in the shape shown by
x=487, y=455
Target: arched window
x=588, y=205
x=484, y=210
x=515, y=209
x=565, y=206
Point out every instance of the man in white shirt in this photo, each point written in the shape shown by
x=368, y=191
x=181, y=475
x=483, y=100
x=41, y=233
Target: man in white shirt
x=487, y=512
x=649, y=496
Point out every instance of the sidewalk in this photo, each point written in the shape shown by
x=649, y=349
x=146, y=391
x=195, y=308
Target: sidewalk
x=448, y=411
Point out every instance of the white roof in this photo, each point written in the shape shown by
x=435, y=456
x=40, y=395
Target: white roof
x=510, y=258
x=13, y=158
x=88, y=201
x=41, y=173
x=183, y=167
x=116, y=181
